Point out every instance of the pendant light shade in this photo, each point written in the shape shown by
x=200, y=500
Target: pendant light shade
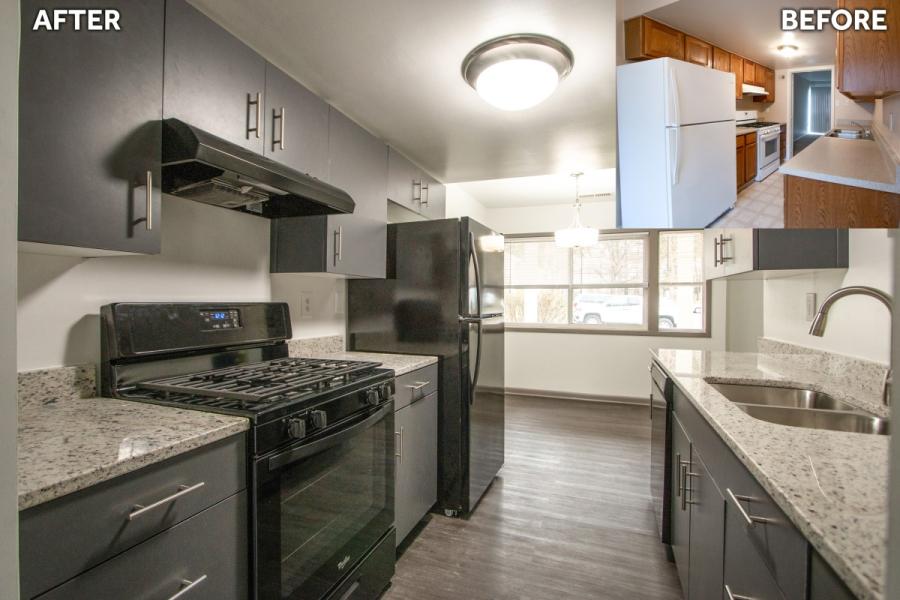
x=577, y=235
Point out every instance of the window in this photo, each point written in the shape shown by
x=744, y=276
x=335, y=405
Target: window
x=609, y=287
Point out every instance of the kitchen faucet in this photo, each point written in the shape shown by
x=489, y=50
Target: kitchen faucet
x=817, y=328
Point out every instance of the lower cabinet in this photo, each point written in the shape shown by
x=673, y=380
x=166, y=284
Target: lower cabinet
x=681, y=516
x=707, y=507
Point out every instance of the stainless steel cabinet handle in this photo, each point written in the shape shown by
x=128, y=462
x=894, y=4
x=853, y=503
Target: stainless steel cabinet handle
x=188, y=586
x=399, y=452
x=417, y=197
x=678, y=472
x=338, y=244
x=426, y=192
x=183, y=490
x=716, y=260
x=419, y=385
x=280, y=118
x=149, y=221
x=722, y=240
x=684, y=487
x=250, y=104
x=736, y=596
x=750, y=520
x=350, y=591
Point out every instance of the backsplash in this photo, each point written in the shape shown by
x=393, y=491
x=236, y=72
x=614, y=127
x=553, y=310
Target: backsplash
x=316, y=346
x=46, y=386
x=883, y=110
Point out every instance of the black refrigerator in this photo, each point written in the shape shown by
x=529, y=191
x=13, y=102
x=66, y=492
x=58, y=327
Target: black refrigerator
x=443, y=296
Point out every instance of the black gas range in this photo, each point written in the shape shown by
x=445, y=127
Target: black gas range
x=321, y=440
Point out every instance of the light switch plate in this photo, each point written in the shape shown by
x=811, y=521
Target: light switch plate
x=305, y=305
x=811, y=306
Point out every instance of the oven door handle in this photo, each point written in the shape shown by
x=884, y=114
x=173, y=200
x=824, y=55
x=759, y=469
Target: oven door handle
x=291, y=456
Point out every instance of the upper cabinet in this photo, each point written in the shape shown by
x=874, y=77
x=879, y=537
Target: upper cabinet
x=868, y=62
x=357, y=164
x=646, y=38
x=721, y=60
x=295, y=124
x=698, y=52
x=90, y=134
x=413, y=188
x=749, y=72
x=737, y=67
x=213, y=80
x=741, y=251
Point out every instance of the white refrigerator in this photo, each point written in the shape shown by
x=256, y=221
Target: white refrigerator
x=676, y=138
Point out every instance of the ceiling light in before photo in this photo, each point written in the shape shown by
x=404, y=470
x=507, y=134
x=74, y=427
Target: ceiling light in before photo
x=577, y=235
x=788, y=50
x=518, y=71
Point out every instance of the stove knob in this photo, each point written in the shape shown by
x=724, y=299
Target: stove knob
x=373, y=398
x=387, y=390
x=296, y=428
x=318, y=419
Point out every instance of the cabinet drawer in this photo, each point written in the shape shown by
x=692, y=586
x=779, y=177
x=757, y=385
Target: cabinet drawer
x=746, y=575
x=740, y=141
x=415, y=385
x=208, y=551
x=70, y=535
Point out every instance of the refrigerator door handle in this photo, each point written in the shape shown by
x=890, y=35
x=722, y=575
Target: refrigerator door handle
x=675, y=115
x=674, y=140
x=478, y=323
x=477, y=364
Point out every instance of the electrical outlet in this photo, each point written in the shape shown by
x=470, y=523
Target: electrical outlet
x=305, y=305
x=811, y=306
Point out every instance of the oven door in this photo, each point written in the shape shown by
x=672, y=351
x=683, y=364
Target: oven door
x=321, y=505
x=768, y=148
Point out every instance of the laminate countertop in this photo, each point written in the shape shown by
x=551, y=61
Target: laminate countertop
x=742, y=130
x=857, y=163
x=832, y=485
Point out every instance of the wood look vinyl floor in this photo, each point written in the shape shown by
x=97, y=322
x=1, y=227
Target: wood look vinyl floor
x=568, y=517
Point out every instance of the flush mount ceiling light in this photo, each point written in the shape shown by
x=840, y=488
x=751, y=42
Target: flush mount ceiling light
x=788, y=50
x=577, y=235
x=518, y=71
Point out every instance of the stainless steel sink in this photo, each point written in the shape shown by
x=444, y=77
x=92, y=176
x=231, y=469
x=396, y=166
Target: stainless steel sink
x=779, y=396
x=819, y=419
x=850, y=134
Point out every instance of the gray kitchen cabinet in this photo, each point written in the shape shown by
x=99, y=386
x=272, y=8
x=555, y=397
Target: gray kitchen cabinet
x=296, y=125
x=756, y=252
x=824, y=583
x=205, y=556
x=213, y=81
x=745, y=573
x=433, y=204
x=680, y=534
x=415, y=489
x=707, y=531
x=357, y=164
x=414, y=189
x=90, y=134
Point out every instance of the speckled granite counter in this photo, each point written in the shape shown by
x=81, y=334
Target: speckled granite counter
x=832, y=485
x=857, y=163
x=68, y=442
x=331, y=347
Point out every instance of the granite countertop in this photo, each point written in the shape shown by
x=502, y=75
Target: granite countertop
x=65, y=445
x=399, y=363
x=832, y=485
x=857, y=163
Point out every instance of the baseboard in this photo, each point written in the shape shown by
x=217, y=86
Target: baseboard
x=577, y=396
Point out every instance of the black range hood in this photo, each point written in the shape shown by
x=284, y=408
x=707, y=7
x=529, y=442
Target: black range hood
x=203, y=167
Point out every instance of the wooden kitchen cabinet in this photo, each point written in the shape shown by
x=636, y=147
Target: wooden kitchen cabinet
x=768, y=82
x=213, y=81
x=782, y=143
x=749, y=72
x=814, y=203
x=744, y=251
x=741, y=149
x=721, y=60
x=698, y=52
x=737, y=67
x=750, y=157
x=90, y=138
x=868, y=62
x=646, y=38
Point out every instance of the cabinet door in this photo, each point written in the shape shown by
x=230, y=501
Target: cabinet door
x=738, y=249
x=737, y=67
x=89, y=131
x=356, y=246
x=741, y=149
x=404, y=181
x=416, y=483
x=721, y=60
x=681, y=514
x=698, y=52
x=712, y=263
x=707, y=532
x=749, y=72
x=358, y=164
x=433, y=198
x=750, y=161
x=212, y=78
x=745, y=572
x=661, y=41
x=867, y=64
x=296, y=125
x=770, y=85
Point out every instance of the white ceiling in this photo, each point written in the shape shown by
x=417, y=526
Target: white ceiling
x=541, y=190
x=751, y=29
x=394, y=67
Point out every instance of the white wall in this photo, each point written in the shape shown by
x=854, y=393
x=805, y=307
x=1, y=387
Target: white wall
x=883, y=120
x=542, y=219
x=9, y=169
x=745, y=314
x=460, y=203
x=328, y=303
x=857, y=326
x=208, y=254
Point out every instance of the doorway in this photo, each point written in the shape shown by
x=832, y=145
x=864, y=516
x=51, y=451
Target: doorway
x=811, y=109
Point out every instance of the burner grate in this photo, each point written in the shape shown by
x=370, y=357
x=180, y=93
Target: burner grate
x=258, y=383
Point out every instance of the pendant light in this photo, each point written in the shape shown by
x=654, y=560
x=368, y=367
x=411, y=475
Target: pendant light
x=577, y=235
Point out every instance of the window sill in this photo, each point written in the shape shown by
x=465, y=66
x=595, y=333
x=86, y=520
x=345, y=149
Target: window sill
x=596, y=330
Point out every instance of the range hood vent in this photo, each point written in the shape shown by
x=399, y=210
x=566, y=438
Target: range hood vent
x=753, y=90
x=203, y=167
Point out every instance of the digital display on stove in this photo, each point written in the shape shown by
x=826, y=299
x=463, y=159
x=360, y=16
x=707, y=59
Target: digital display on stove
x=217, y=320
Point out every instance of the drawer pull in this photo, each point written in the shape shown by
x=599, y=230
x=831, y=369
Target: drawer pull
x=751, y=521
x=732, y=596
x=418, y=386
x=182, y=491
x=188, y=586
x=351, y=591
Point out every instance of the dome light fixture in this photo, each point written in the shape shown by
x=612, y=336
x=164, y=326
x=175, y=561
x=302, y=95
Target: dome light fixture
x=577, y=235
x=517, y=71
x=788, y=50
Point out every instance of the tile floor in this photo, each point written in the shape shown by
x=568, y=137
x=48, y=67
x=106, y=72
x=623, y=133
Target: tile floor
x=760, y=204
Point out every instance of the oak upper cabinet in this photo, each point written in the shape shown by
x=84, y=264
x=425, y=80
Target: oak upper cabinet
x=698, y=52
x=295, y=122
x=90, y=138
x=721, y=60
x=770, y=85
x=868, y=62
x=749, y=72
x=737, y=67
x=213, y=80
x=646, y=38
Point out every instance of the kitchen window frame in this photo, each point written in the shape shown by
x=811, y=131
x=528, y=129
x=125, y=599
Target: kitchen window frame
x=651, y=293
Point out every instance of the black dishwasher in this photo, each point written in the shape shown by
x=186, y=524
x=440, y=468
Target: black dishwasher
x=661, y=448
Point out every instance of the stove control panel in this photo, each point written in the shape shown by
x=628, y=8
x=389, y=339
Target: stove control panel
x=219, y=319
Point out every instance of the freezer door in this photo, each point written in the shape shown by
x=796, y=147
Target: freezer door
x=482, y=292
x=701, y=170
x=695, y=94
